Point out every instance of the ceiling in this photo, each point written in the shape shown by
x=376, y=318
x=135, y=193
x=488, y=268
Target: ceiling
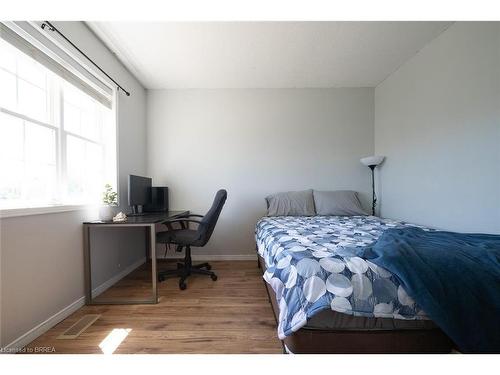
x=165, y=55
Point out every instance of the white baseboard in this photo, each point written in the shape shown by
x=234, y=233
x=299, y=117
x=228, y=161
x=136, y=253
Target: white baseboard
x=214, y=257
x=107, y=284
x=17, y=345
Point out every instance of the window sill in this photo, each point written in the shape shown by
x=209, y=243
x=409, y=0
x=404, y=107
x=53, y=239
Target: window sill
x=15, y=212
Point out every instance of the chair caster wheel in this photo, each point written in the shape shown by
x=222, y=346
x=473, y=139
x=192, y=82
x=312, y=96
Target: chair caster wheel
x=208, y=267
x=161, y=278
x=214, y=277
x=182, y=286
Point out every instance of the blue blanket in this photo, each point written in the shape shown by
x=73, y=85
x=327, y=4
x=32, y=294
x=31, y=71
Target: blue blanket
x=454, y=277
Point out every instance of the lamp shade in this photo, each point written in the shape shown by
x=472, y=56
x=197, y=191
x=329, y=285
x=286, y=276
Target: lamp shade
x=372, y=160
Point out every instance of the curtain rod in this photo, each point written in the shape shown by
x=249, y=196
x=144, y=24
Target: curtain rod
x=53, y=28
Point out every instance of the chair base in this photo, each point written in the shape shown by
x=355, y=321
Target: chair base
x=186, y=269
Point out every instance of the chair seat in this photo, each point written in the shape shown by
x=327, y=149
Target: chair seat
x=179, y=237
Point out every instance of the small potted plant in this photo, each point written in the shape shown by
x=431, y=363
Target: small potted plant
x=109, y=200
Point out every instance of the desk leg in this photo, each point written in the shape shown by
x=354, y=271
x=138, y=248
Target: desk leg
x=152, y=253
x=86, y=263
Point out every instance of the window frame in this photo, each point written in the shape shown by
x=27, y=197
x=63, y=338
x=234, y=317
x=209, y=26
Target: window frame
x=61, y=135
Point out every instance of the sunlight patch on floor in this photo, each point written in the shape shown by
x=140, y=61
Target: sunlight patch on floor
x=114, y=339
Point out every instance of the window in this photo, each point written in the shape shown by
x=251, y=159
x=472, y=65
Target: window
x=57, y=142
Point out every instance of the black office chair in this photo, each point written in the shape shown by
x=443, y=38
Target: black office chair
x=185, y=238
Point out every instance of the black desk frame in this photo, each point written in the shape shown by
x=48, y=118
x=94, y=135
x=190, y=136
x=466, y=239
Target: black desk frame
x=149, y=223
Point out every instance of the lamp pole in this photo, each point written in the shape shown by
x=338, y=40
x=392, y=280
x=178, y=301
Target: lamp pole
x=371, y=162
x=374, y=197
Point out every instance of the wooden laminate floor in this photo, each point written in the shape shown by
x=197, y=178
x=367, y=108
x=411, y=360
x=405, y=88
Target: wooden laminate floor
x=230, y=315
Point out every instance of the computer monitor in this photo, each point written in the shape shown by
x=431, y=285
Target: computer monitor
x=139, y=192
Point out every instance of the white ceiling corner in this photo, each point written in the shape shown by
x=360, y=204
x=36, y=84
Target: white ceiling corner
x=119, y=49
x=174, y=55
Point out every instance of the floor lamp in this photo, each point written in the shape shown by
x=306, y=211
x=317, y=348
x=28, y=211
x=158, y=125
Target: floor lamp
x=371, y=162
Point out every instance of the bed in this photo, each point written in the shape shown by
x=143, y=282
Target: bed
x=328, y=300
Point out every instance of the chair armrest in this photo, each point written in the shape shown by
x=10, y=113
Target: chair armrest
x=192, y=215
x=181, y=221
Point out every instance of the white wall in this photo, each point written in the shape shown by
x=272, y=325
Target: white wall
x=437, y=119
x=42, y=256
x=254, y=142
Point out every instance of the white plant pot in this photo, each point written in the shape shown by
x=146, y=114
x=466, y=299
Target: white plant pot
x=106, y=213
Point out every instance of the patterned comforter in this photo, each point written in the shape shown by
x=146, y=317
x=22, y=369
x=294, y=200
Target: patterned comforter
x=312, y=266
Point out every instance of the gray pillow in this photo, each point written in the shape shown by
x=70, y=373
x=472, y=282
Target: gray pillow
x=291, y=203
x=338, y=203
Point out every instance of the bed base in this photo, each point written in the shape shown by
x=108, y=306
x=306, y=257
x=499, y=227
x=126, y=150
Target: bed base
x=316, y=341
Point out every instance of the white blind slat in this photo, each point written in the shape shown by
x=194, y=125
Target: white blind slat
x=32, y=43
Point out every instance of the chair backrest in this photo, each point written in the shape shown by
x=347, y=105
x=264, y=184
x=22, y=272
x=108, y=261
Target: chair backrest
x=210, y=219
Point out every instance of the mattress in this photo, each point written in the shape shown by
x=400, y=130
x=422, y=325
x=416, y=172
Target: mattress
x=329, y=320
x=332, y=320
x=312, y=267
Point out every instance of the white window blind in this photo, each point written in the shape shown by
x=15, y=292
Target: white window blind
x=57, y=125
x=29, y=38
